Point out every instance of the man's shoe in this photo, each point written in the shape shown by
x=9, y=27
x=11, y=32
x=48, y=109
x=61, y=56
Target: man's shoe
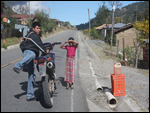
x=17, y=70
x=31, y=99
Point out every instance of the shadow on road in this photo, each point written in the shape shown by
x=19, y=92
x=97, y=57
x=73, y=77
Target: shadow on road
x=38, y=92
x=24, y=88
x=62, y=81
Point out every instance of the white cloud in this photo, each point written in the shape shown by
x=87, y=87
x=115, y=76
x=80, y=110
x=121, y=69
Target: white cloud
x=34, y=5
x=20, y=8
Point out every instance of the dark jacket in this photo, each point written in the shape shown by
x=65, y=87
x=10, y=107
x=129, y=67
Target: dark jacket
x=29, y=45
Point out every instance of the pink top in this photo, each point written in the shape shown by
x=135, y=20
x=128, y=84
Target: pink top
x=71, y=50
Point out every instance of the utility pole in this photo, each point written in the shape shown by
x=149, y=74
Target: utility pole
x=121, y=16
x=29, y=10
x=89, y=25
x=113, y=10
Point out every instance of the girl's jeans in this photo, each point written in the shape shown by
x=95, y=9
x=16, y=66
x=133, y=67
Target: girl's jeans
x=28, y=57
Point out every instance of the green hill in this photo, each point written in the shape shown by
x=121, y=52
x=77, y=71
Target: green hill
x=129, y=14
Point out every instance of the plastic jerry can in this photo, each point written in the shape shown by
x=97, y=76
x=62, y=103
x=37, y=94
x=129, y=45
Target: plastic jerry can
x=117, y=68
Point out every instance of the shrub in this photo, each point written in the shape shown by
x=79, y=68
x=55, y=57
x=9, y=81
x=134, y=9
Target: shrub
x=9, y=41
x=130, y=55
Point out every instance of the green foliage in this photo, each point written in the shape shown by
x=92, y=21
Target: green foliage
x=120, y=56
x=9, y=41
x=143, y=28
x=117, y=19
x=95, y=34
x=108, y=36
x=47, y=25
x=127, y=14
x=8, y=12
x=130, y=55
x=130, y=12
x=86, y=31
x=102, y=15
x=86, y=25
x=67, y=24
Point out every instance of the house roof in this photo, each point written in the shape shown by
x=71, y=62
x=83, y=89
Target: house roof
x=116, y=26
x=23, y=16
x=109, y=26
x=56, y=20
x=102, y=26
x=125, y=27
x=18, y=16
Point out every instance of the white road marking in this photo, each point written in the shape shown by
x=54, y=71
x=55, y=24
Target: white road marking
x=72, y=93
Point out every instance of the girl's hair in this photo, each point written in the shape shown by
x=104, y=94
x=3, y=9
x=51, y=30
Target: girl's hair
x=71, y=38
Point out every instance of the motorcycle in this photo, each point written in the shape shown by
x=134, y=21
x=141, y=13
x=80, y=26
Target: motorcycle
x=45, y=65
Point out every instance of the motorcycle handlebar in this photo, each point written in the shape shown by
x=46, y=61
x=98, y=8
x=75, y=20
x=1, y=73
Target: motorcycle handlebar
x=51, y=46
x=56, y=43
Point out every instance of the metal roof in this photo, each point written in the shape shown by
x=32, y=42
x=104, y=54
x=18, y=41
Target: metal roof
x=116, y=26
x=109, y=26
x=127, y=26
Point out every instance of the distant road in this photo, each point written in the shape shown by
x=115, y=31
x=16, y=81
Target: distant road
x=13, y=86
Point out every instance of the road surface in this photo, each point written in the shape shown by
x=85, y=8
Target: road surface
x=14, y=86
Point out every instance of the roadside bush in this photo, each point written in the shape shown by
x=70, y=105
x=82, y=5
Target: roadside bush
x=130, y=55
x=96, y=34
x=108, y=38
x=47, y=25
x=9, y=41
x=86, y=31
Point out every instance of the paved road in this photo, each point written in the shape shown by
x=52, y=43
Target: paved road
x=13, y=86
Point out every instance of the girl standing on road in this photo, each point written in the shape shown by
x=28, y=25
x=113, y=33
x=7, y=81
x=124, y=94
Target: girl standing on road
x=70, y=61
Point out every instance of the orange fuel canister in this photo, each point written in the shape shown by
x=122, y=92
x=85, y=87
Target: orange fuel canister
x=118, y=84
x=117, y=68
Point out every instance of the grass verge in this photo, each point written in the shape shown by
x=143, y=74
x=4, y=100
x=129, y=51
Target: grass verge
x=9, y=41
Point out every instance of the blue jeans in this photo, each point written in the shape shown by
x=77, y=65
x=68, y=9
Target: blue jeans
x=28, y=57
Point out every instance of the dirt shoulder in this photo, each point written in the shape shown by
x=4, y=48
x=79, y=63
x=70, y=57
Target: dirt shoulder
x=91, y=54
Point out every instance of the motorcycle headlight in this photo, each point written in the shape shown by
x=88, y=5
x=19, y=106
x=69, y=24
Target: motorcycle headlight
x=49, y=64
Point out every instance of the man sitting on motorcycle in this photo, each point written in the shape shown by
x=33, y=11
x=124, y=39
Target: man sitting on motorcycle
x=30, y=52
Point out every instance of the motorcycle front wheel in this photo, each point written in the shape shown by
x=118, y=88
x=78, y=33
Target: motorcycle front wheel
x=47, y=91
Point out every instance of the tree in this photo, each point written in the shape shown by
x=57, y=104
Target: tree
x=102, y=15
x=67, y=24
x=142, y=28
x=2, y=7
x=146, y=11
x=46, y=24
x=7, y=12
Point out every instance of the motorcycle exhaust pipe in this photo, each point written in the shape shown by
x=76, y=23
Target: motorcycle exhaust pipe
x=49, y=64
x=111, y=99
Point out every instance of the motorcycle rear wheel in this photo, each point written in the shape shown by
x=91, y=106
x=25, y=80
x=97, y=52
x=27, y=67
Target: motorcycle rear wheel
x=47, y=91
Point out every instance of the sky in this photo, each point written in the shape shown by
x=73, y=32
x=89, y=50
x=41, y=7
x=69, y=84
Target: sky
x=75, y=12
